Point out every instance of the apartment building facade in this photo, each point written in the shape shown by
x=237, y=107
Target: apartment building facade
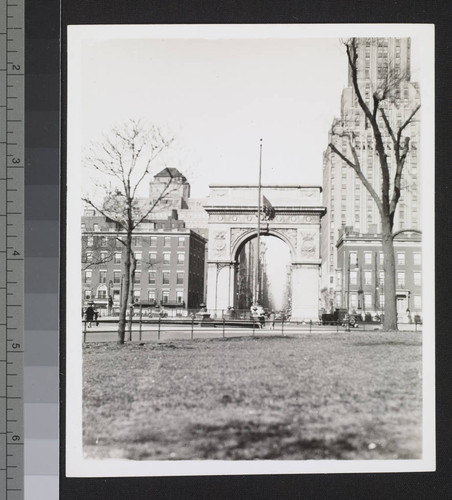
x=170, y=265
x=360, y=274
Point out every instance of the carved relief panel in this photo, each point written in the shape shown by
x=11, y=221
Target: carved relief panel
x=308, y=245
x=219, y=244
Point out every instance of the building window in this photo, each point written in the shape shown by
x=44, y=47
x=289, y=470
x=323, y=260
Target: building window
x=151, y=277
x=83, y=226
x=367, y=300
x=151, y=295
x=368, y=257
x=353, y=277
x=117, y=258
x=152, y=257
x=89, y=241
x=417, y=302
x=87, y=294
x=353, y=300
x=382, y=278
x=167, y=241
x=89, y=256
x=116, y=277
x=368, y=277
x=166, y=257
x=138, y=241
x=104, y=241
x=180, y=258
x=116, y=295
x=181, y=241
x=179, y=297
x=166, y=278
x=382, y=300
x=103, y=256
x=180, y=278
x=153, y=241
x=136, y=295
x=400, y=258
x=381, y=258
x=165, y=297
x=417, y=279
x=95, y=227
x=137, y=277
x=353, y=258
x=138, y=256
x=401, y=279
x=102, y=293
x=102, y=276
x=417, y=258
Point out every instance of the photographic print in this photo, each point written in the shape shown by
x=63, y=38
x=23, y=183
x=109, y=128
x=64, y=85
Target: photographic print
x=250, y=249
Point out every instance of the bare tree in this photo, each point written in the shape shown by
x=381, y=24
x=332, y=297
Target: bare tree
x=385, y=95
x=125, y=157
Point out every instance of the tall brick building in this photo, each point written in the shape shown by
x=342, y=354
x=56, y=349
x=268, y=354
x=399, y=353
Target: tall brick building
x=348, y=203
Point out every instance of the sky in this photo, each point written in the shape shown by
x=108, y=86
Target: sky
x=219, y=90
x=218, y=94
x=219, y=97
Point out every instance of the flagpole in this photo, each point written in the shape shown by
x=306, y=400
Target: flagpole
x=257, y=252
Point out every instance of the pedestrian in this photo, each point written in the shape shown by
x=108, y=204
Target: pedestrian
x=96, y=316
x=272, y=320
x=89, y=314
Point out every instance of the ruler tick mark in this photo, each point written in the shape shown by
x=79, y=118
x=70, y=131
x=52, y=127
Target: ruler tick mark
x=13, y=134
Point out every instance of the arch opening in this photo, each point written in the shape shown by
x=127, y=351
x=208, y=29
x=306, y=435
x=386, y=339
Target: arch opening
x=274, y=292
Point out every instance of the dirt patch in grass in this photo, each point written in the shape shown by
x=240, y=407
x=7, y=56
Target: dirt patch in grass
x=330, y=396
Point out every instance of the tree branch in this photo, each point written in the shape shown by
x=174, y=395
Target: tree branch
x=105, y=214
x=154, y=204
x=360, y=174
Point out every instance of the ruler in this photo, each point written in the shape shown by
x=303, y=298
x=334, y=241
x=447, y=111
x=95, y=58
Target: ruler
x=12, y=161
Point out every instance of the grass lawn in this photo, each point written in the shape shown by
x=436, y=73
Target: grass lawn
x=320, y=396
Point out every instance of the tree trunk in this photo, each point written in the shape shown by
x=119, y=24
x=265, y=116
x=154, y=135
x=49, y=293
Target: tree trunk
x=125, y=292
x=390, y=308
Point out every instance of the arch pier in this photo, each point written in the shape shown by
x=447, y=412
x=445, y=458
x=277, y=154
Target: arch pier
x=232, y=213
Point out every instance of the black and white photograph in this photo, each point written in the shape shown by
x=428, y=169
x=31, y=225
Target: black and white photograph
x=250, y=249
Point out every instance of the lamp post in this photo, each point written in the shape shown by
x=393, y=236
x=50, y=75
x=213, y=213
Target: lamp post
x=408, y=311
x=110, y=297
x=120, y=291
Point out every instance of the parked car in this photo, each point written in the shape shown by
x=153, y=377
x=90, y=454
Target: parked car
x=352, y=320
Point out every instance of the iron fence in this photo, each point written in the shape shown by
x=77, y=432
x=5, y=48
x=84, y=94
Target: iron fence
x=191, y=327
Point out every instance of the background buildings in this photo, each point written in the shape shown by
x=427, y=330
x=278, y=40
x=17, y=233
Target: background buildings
x=351, y=211
x=170, y=256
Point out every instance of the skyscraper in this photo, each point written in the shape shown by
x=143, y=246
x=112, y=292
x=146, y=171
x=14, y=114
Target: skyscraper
x=349, y=204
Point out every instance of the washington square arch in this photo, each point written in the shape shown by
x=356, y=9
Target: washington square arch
x=232, y=213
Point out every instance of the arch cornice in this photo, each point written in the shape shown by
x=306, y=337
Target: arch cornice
x=302, y=210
